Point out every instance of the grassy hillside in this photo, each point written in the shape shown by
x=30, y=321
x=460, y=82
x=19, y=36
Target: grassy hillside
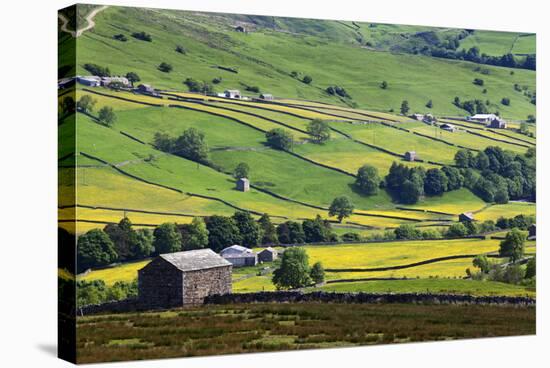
x=266, y=57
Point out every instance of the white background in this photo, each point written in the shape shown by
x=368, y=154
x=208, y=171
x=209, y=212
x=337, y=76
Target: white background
x=28, y=139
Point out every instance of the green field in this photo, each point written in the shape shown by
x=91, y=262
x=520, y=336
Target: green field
x=265, y=58
x=120, y=173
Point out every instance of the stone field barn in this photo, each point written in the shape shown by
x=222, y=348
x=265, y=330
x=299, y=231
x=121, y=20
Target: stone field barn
x=183, y=278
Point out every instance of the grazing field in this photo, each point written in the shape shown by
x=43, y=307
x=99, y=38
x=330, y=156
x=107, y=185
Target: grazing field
x=433, y=285
x=507, y=210
x=455, y=202
x=265, y=58
x=249, y=328
x=491, y=42
x=126, y=272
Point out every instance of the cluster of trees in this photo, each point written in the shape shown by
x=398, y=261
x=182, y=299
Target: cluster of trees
x=280, y=139
x=337, y=90
x=198, y=86
x=105, y=115
x=521, y=222
x=97, y=292
x=95, y=69
x=191, y=145
x=408, y=185
x=253, y=89
x=475, y=106
x=143, y=36
x=496, y=175
x=449, y=50
x=121, y=242
x=511, y=247
x=295, y=272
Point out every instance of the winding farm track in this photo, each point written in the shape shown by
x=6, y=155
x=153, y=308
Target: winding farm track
x=89, y=20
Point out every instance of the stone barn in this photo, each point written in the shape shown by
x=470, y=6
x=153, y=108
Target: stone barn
x=239, y=256
x=497, y=123
x=410, y=155
x=266, y=97
x=183, y=278
x=232, y=93
x=448, y=127
x=243, y=185
x=267, y=255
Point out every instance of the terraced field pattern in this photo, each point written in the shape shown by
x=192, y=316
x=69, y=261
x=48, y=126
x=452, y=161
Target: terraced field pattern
x=117, y=171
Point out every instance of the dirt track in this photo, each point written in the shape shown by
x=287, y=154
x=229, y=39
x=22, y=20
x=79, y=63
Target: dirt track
x=89, y=20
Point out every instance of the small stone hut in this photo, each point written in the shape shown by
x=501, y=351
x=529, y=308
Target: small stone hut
x=497, y=123
x=466, y=217
x=410, y=155
x=243, y=185
x=448, y=127
x=232, y=93
x=183, y=278
x=267, y=255
x=239, y=256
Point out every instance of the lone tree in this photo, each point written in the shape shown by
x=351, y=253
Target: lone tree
x=165, y=67
x=513, y=245
x=167, y=238
x=133, y=77
x=482, y=262
x=95, y=249
x=317, y=273
x=307, y=79
x=368, y=180
x=341, y=207
x=405, y=107
x=429, y=104
x=86, y=104
x=242, y=171
x=107, y=116
x=294, y=270
x=319, y=130
x=384, y=85
x=279, y=139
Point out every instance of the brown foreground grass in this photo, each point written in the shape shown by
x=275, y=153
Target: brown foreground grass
x=230, y=329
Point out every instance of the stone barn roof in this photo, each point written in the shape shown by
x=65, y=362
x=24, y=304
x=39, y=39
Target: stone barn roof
x=194, y=260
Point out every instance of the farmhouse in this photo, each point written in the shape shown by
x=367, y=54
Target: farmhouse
x=497, y=123
x=266, y=97
x=123, y=81
x=466, y=217
x=267, y=255
x=239, y=256
x=243, y=185
x=483, y=118
x=532, y=232
x=183, y=278
x=232, y=93
x=90, y=81
x=448, y=127
x=410, y=155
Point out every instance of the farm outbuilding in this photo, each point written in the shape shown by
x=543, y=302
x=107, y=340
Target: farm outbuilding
x=183, y=278
x=410, y=155
x=232, y=93
x=243, y=185
x=267, y=255
x=266, y=97
x=483, y=118
x=239, y=256
x=497, y=124
x=418, y=117
x=448, y=127
x=466, y=217
x=90, y=81
x=241, y=29
x=146, y=89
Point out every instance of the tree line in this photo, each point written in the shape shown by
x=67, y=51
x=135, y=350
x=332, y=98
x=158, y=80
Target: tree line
x=122, y=242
